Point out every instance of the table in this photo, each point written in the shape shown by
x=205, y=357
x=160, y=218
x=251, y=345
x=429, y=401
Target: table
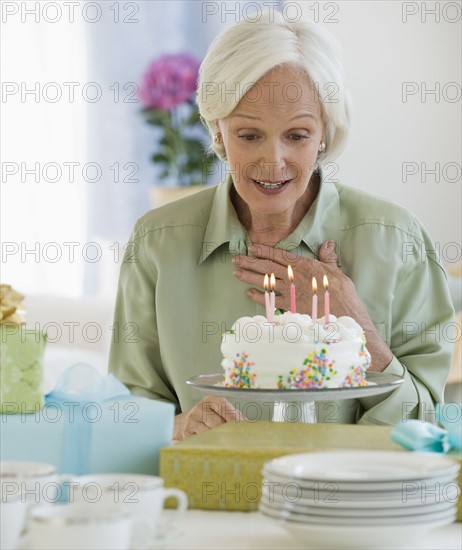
x=251, y=530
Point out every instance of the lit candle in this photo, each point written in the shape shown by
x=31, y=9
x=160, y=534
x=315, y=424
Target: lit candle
x=326, y=299
x=272, y=296
x=267, y=297
x=292, y=290
x=314, y=306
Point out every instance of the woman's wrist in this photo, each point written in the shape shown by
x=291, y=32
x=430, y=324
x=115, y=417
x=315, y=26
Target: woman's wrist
x=381, y=354
x=178, y=427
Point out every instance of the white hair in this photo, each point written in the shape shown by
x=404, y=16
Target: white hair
x=243, y=53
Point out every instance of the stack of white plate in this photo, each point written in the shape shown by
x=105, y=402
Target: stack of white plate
x=360, y=499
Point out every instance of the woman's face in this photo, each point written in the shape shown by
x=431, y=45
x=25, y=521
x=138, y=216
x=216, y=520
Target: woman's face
x=272, y=139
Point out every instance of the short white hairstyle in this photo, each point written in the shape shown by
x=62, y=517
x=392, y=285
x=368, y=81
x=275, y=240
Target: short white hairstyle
x=243, y=53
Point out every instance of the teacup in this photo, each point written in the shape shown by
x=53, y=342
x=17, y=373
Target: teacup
x=78, y=527
x=36, y=482
x=142, y=495
x=13, y=510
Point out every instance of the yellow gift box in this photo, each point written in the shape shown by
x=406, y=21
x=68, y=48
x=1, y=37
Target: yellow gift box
x=221, y=469
x=21, y=358
x=21, y=372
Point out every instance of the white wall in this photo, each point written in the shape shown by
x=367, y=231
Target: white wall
x=41, y=129
x=381, y=52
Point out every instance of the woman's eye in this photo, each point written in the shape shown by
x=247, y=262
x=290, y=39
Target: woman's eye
x=298, y=137
x=248, y=137
x=292, y=137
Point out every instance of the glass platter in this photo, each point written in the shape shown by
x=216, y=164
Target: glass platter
x=379, y=383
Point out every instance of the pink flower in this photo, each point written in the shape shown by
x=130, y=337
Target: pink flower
x=169, y=81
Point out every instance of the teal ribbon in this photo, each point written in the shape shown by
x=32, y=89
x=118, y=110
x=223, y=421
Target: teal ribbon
x=418, y=435
x=78, y=387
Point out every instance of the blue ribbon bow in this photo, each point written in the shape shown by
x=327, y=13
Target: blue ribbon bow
x=79, y=386
x=418, y=435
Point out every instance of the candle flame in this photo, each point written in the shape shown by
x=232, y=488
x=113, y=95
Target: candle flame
x=266, y=282
x=273, y=282
x=291, y=273
x=314, y=284
x=325, y=282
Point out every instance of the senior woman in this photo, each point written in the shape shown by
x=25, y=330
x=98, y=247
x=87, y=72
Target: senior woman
x=272, y=95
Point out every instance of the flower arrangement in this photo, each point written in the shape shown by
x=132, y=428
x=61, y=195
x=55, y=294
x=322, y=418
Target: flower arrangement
x=167, y=92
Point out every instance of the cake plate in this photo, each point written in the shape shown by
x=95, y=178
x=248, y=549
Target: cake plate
x=378, y=383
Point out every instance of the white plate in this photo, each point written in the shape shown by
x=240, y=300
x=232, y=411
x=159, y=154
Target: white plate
x=349, y=512
x=371, y=500
x=362, y=537
x=357, y=489
x=212, y=384
x=362, y=466
x=359, y=518
x=303, y=519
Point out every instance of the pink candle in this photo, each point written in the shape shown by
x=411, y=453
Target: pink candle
x=326, y=299
x=293, y=308
x=314, y=303
x=267, y=297
x=272, y=296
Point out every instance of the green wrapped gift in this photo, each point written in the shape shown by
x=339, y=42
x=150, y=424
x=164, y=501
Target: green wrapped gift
x=21, y=359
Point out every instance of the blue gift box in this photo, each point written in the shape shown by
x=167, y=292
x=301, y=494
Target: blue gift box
x=90, y=432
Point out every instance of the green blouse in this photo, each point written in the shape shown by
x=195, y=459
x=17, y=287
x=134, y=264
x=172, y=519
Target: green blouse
x=177, y=294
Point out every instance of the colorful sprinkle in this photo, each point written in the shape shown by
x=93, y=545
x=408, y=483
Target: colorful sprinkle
x=318, y=368
x=240, y=375
x=355, y=377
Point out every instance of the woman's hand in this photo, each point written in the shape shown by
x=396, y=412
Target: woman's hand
x=266, y=259
x=342, y=293
x=207, y=414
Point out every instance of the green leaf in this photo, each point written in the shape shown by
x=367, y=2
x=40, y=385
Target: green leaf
x=158, y=118
x=194, y=118
x=194, y=144
x=159, y=157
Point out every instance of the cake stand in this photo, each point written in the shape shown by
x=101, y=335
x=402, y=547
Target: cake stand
x=378, y=383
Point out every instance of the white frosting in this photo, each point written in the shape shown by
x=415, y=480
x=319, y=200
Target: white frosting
x=318, y=355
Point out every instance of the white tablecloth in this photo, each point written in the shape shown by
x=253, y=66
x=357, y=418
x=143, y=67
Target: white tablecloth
x=240, y=530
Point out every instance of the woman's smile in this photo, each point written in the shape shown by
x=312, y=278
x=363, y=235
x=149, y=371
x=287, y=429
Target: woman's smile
x=271, y=188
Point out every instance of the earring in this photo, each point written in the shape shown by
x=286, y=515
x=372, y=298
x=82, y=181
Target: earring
x=217, y=138
x=322, y=146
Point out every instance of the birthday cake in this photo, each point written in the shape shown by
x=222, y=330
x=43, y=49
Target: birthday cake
x=294, y=353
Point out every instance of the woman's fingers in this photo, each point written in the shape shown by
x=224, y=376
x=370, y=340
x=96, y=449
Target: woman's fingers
x=259, y=267
x=217, y=410
x=206, y=415
x=266, y=259
x=276, y=255
x=327, y=253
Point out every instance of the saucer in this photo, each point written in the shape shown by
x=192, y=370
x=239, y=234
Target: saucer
x=361, y=538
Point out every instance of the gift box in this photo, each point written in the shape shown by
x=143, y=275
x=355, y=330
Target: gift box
x=21, y=374
x=90, y=424
x=21, y=358
x=221, y=469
